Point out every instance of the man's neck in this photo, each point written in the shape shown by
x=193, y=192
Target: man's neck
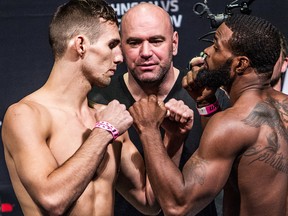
x=73, y=91
x=161, y=90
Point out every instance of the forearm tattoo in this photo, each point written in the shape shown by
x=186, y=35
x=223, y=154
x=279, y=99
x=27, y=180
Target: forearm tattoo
x=273, y=114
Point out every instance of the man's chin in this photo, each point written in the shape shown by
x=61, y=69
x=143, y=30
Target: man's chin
x=103, y=84
x=147, y=77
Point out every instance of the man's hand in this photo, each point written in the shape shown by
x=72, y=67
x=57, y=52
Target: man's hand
x=148, y=113
x=180, y=118
x=201, y=94
x=116, y=114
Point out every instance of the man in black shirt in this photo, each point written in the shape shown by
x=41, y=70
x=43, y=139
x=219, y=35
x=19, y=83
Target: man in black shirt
x=149, y=43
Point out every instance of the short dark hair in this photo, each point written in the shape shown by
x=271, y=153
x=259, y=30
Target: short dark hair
x=78, y=16
x=256, y=39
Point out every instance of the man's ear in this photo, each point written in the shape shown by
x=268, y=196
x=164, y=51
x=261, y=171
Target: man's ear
x=175, y=43
x=80, y=45
x=284, y=65
x=241, y=63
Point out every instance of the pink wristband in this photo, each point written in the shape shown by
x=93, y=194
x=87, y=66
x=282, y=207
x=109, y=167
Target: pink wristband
x=207, y=110
x=107, y=126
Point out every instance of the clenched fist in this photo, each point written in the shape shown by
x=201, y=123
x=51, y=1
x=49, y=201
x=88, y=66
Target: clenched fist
x=148, y=112
x=116, y=114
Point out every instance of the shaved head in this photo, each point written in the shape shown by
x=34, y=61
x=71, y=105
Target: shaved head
x=152, y=14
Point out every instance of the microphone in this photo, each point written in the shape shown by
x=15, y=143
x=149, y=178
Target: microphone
x=217, y=19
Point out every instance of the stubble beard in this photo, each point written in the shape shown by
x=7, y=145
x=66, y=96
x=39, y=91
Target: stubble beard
x=156, y=80
x=215, y=78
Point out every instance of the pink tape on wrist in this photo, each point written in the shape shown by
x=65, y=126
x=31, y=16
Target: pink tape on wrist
x=107, y=126
x=207, y=110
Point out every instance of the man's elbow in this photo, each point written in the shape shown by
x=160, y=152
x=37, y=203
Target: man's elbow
x=52, y=205
x=176, y=211
x=150, y=210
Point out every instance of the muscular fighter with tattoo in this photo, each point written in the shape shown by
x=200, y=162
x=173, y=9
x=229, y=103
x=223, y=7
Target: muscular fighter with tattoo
x=243, y=149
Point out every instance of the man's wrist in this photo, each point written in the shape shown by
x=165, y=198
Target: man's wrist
x=208, y=109
x=108, y=127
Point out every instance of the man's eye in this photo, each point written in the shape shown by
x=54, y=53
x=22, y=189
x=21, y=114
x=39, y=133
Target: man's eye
x=156, y=42
x=133, y=43
x=214, y=46
x=113, y=44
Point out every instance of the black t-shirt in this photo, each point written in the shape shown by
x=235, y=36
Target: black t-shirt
x=118, y=90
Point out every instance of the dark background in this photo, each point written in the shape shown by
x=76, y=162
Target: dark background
x=26, y=58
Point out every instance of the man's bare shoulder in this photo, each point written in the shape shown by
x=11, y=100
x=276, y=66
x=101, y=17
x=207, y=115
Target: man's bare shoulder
x=241, y=124
x=227, y=131
x=228, y=118
x=24, y=107
x=27, y=111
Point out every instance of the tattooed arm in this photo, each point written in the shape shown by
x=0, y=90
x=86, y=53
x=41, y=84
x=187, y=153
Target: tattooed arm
x=248, y=137
x=179, y=193
x=203, y=176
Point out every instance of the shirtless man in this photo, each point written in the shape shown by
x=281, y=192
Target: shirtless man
x=243, y=149
x=62, y=157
